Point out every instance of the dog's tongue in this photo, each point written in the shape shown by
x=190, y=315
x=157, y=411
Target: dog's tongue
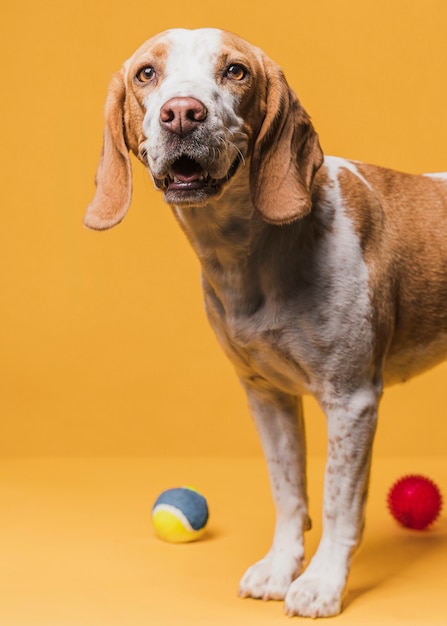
x=187, y=174
x=186, y=178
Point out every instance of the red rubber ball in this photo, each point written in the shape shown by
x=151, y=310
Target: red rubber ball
x=415, y=501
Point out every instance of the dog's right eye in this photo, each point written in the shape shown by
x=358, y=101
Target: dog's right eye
x=146, y=74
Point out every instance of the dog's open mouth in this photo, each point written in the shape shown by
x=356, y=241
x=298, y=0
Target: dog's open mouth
x=188, y=181
x=187, y=174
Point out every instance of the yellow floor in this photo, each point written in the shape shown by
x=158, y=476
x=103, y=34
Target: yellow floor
x=77, y=547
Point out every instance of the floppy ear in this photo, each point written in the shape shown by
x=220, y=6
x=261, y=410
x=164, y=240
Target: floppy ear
x=114, y=175
x=286, y=154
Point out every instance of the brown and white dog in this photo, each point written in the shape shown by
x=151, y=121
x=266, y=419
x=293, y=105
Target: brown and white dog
x=321, y=276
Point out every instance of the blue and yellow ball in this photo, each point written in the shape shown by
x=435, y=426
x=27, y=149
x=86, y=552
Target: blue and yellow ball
x=180, y=515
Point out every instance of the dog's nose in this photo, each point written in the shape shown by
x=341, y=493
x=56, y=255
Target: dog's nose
x=181, y=115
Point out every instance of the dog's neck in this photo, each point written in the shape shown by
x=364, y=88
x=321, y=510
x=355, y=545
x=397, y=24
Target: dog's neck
x=225, y=242
x=222, y=233
x=235, y=246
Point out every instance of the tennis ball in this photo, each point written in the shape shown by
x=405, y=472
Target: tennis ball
x=180, y=515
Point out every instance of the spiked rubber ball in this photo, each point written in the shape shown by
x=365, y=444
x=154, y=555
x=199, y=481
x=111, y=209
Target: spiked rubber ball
x=415, y=501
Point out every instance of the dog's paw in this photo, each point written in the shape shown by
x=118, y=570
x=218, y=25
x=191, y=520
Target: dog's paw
x=313, y=597
x=270, y=578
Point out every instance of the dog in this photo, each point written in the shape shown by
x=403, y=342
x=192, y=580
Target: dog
x=320, y=275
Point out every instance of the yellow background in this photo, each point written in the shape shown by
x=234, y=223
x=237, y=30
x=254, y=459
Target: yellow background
x=105, y=350
x=104, y=344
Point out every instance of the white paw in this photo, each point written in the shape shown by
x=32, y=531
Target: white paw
x=270, y=578
x=313, y=597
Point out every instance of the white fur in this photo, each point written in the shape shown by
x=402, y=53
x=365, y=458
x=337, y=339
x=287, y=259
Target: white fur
x=440, y=175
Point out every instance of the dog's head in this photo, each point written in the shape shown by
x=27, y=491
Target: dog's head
x=200, y=108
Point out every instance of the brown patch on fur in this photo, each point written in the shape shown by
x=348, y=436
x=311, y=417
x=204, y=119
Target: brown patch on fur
x=252, y=93
x=124, y=114
x=114, y=175
x=286, y=155
x=407, y=264
x=153, y=52
x=286, y=152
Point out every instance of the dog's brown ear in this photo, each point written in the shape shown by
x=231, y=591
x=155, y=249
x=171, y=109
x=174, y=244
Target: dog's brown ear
x=286, y=155
x=114, y=175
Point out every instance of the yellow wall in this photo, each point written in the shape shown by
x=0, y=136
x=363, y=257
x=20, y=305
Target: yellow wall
x=105, y=347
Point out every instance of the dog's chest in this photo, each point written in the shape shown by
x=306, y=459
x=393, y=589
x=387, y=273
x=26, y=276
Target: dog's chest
x=289, y=307
x=295, y=329
x=263, y=353
x=272, y=341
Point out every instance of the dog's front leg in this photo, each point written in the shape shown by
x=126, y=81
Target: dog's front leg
x=351, y=428
x=279, y=421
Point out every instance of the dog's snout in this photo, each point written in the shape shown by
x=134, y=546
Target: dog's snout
x=182, y=115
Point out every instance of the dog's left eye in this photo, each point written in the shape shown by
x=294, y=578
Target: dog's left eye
x=236, y=72
x=146, y=74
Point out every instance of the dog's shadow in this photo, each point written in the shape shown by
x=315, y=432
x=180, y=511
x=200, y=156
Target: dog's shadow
x=383, y=558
